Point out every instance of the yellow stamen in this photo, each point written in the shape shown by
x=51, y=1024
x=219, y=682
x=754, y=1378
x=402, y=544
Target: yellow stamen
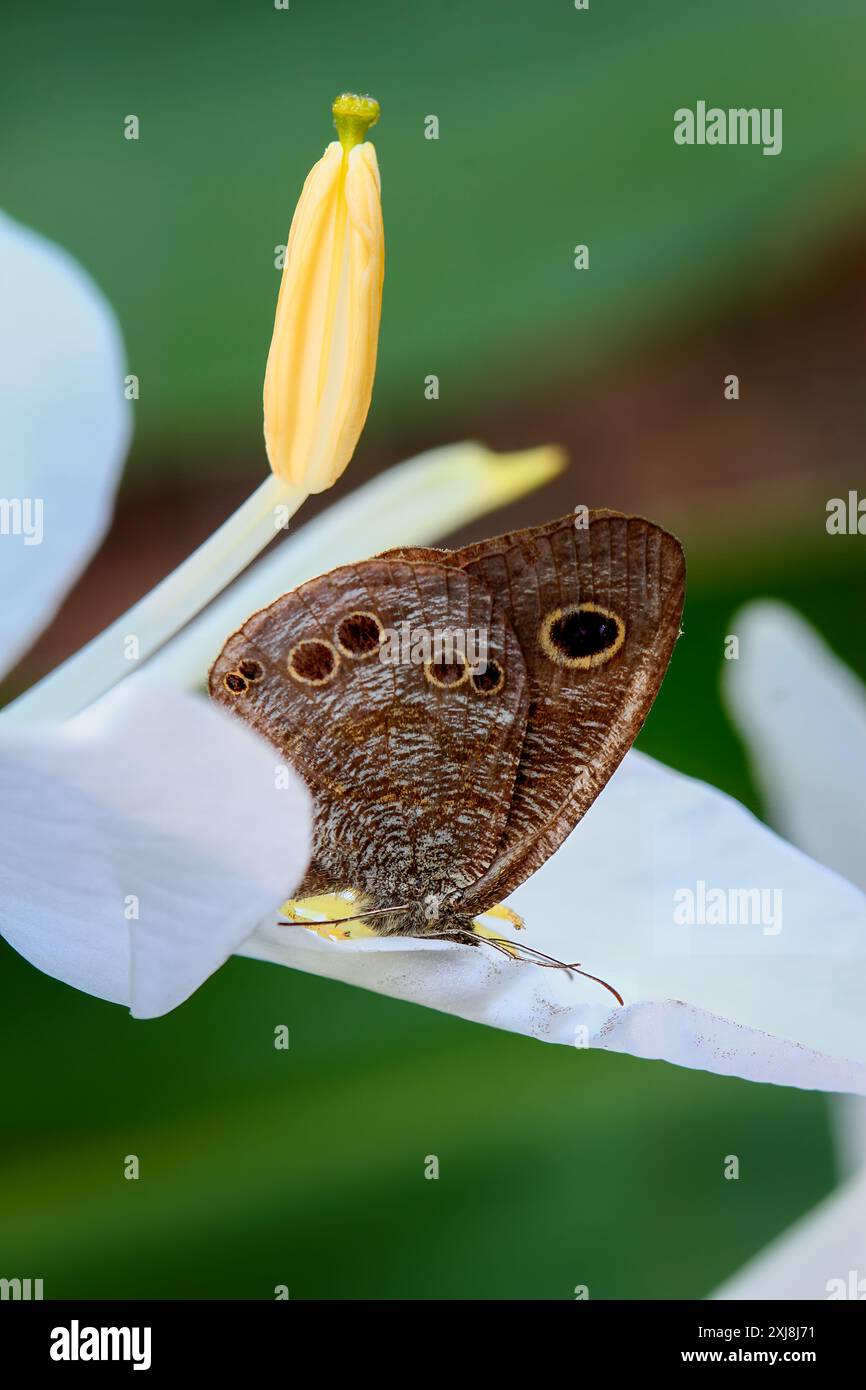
x=319, y=376
x=353, y=117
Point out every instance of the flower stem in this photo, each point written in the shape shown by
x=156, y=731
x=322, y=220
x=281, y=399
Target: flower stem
x=135, y=636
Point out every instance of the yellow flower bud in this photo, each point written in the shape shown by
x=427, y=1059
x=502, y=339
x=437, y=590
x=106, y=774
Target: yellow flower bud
x=322, y=361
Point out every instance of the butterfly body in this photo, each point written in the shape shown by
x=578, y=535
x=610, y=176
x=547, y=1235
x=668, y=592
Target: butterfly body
x=441, y=782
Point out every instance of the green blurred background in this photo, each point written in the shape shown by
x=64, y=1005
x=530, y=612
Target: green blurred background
x=558, y=1168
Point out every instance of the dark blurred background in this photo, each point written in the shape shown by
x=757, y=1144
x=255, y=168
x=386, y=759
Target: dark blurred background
x=558, y=1168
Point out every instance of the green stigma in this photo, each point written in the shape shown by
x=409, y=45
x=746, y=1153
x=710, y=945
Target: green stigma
x=353, y=116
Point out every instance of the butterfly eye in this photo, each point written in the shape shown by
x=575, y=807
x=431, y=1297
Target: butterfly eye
x=313, y=662
x=359, y=635
x=489, y=681
x=234, y=682
x=250, y=670
x=448, y=675
x=582, y=636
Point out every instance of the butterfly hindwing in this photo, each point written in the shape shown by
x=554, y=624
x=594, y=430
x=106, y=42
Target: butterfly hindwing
x=411, y=773
x=597, y=612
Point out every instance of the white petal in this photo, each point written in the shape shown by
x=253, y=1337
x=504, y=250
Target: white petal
x=64, y=429
x=738, y=1000
x=821, y=1257
x=802, y=714
x=158, y=802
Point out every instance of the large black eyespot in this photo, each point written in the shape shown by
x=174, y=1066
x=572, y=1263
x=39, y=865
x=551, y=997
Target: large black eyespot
x=313, y=662
x=359, y=635
x=489, y=681
x=581, y=636
x=234, y=683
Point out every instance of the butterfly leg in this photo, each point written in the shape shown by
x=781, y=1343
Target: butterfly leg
x=506, y=914
x=500, y=913
x=490, y=933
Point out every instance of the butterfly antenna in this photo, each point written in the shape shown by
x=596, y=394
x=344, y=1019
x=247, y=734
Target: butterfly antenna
x=498, y=943
x=341, y=921
x=546, y=962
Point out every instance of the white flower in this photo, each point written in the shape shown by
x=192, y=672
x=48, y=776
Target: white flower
x=776, y=998
x=64, y=428
x=802, y=715
x=144, y=839
x=140, y=843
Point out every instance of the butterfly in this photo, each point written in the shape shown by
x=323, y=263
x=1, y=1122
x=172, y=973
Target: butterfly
x=441, y=781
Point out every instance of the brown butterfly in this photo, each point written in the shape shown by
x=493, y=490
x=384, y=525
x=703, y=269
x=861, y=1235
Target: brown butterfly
x=441, y=784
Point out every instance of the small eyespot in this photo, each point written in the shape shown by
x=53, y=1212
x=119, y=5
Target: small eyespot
x=359, y=635
x=448, y=675
x=234, y=682
x=582, y=636
x=489, y=681
x=313, y=662
x=250, y=670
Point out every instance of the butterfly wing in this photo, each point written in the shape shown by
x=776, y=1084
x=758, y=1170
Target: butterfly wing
x=411, y=764
x=596, y=609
